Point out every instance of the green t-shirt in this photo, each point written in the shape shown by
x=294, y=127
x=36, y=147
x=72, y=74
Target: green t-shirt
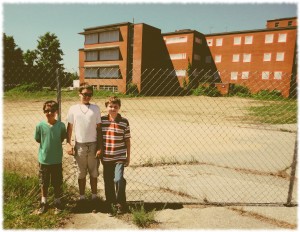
x=50, y=139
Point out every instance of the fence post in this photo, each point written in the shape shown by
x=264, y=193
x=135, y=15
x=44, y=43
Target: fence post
x=58, y=91
x=293, y=173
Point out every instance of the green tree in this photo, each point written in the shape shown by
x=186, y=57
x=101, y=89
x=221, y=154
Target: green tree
x=13, y=63
x=49, y=56
x=30, y=58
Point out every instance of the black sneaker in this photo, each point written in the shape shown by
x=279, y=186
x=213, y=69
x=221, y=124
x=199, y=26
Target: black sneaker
x=94, y=205
x=43, y=208
x=81, y=206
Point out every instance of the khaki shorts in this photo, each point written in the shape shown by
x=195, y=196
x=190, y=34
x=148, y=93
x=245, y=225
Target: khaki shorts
x=85, y=159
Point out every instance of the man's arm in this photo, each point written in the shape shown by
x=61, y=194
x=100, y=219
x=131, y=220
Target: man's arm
x=127, y=142
x=99, y=140
x=69, y=137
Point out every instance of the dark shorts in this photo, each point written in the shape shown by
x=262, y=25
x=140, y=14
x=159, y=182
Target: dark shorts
x=50, y=174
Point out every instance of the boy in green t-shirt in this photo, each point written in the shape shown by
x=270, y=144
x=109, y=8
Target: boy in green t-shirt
x=50, y=134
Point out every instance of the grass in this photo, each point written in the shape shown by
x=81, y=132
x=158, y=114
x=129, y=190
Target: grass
x=141, y=217
x=20, y=201
x=277, y=112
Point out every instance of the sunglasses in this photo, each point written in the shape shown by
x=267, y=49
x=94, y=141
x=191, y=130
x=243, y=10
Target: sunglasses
x=48, y=111
x=87, y=94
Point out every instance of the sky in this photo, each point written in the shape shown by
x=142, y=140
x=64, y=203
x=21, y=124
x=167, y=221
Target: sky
x=26, y=21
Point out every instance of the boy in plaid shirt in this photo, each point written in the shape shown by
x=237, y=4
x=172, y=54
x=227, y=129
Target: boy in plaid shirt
x=116, y=154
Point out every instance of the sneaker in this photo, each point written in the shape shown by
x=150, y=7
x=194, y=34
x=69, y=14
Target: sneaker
x=58, y=207
x=81, y=206
x=43, y=208
x=120, y=209
x=94, y=205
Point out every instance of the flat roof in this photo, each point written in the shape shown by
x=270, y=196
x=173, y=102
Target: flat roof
x=103, y=28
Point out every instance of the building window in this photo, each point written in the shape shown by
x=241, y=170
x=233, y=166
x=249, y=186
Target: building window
x=269, y=38
x=198, y=40
x=246, y=57
x=277, y=75
x=210, y=42
x=112, y=88
x=91, y=73
x=249, y=39
x=178, y=56
x=182, y=39
x=180, y=73
x=281, y=38
x=91, y=56
x=290, y=23
x=208, y=59
x=237, y=40
x=218, y=58
x=280, y=56
x=109, y=72
x=245, y=75
x=197, y=57
x=236, y=58
x=109, y=36
x=276, y=24
x=234, y=75
x=265, y=75
x=267, y=56
x=109, y=54
x=91, y=39
x=219, y=42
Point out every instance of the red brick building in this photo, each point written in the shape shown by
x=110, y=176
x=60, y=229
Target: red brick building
x=262, y=59
x=161, y=64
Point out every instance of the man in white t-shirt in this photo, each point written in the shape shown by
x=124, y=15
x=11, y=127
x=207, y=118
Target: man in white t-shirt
x=85, y=119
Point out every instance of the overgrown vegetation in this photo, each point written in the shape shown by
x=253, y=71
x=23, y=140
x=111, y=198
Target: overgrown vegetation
x=279, y=112
x=210, y=91
x=141, y=217
x=20, y=202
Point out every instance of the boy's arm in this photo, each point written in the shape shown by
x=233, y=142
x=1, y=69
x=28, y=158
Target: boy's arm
x=99, y=141
x=127, y=142
x=69, y=137
x=37, y=135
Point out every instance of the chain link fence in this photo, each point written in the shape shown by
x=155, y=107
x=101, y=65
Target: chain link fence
x=190, y=143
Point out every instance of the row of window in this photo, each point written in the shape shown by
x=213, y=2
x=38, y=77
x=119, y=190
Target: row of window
x=102, y=37
x=95, y=73
x=265, y=75
x=106, y=54
x=180, y=39
x=269, y=38
x=247, y=57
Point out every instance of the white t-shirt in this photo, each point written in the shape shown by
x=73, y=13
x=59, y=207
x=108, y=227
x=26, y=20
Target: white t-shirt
x=84, y=119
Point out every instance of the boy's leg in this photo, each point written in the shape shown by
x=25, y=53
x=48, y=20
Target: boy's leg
x=93, y=167
x=44, y=177
x=81, y=161
x=57, y=180
x=120, y=184
x=108, y=176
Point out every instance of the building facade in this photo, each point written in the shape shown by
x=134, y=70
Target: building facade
x=262, y=59
x=115, y=56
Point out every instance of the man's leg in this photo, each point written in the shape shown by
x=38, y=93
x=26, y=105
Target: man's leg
x=120, y=184
x=109, y=185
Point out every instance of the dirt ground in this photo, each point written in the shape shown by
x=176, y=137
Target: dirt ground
x=184, y=149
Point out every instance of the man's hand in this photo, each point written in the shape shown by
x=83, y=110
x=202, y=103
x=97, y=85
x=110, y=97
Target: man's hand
x=98, y=154
x=69, y=149
x=127, y=162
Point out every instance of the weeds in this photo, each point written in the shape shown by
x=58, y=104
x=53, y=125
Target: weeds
x=20, y=194
x=141, y=217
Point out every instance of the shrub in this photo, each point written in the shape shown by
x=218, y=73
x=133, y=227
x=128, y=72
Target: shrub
x=239, y=90
x=31, y=87
x=210, y=91
x=132, y=89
